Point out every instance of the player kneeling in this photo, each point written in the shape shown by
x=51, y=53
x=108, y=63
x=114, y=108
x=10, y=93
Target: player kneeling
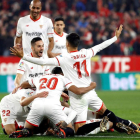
x=50, y=107
x=12, y=111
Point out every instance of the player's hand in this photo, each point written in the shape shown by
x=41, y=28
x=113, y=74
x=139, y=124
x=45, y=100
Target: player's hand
x=118, y=31
x=62, y=124
x=43, y=94
x=50, y=131
x=93, y=85
x=65, y=96
x=17, y=51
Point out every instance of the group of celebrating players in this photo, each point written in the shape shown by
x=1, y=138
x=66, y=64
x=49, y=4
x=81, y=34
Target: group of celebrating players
x=50, y=66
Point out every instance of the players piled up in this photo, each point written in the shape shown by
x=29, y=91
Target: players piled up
x=34, y=106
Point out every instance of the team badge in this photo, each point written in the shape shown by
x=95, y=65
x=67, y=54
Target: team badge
x=41, y=26
x=21, y=64
x=29, y=93
x=5, y=120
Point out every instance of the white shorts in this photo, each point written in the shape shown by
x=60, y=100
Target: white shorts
x=81, y=103
x=44, y=107
x=9, y=112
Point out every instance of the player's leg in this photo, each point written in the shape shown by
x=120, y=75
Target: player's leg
x=96, y=104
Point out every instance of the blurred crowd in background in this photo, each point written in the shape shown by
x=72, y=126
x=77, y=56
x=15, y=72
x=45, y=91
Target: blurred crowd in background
x=94, y=20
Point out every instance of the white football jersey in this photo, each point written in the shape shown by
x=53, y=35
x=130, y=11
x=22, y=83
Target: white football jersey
x=30, y=70
x=53, y=83
x=59, y=43
x=13, y=100
x=29, y=28
x=77, y=66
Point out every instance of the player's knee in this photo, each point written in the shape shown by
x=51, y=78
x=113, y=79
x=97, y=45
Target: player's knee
x=9, y=131
x=103, y=109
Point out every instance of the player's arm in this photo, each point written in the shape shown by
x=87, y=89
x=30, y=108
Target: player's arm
x=27, y=100
x=108, y=42
x=25, y=85
x=50, y=48
x=82, y=90
x=18, y=79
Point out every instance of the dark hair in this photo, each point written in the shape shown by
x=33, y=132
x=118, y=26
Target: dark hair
x=35, y=40
x=58, y=19
x=57, y=70
x=73, y=39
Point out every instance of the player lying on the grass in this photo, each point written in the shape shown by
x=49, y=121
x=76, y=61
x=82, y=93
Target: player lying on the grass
x=26, y=69
x=50, y=107
x=12, y=111
x=76, y=66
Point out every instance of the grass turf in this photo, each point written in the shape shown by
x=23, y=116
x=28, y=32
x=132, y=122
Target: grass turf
x=124, y=104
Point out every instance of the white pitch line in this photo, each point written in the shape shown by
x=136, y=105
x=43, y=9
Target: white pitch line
x=108, y=137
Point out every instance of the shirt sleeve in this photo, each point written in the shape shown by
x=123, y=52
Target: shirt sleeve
x=102, y=46
x=50, y=31
x=68, y=83
x=42, y=62
x=21, y=67
x=19, y=30
x=32, y=81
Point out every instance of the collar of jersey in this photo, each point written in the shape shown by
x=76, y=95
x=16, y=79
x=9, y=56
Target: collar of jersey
x=36, y=19
x=73, y=51
x=59, y=35
x=31, y=54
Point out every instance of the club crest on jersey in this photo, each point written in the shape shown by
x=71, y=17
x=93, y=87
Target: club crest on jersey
x=21, y=64
x=41, y=26
x=5, y=120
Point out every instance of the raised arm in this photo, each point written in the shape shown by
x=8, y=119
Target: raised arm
x=82, y=90
x=108, y=42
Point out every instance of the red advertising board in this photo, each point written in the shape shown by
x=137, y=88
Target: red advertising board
x=105, y=64
x=8, y=65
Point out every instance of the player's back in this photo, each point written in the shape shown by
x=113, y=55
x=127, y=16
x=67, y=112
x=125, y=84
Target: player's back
x=53, y=83
x=77, y=67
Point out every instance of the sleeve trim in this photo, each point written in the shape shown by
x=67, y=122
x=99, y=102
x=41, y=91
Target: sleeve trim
x=32, y=82
x=92, y=52
x=68, y=84
x=58, y=61
x=21, y=70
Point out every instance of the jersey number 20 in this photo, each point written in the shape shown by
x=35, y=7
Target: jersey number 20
x=51, y=83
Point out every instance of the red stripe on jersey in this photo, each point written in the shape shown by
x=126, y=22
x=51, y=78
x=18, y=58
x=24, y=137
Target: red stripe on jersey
x=58, y=34
x=31, y=54
x=63, y=108
x=32, y=123
x=57, y=61
x=73, y=51
x=68, y=83
x=92, y=52
x=18, y=33
x=100, y=107
x=47, y=70
x=20, y=70
x=36, y=19
x=80, y=122
x=32, y=82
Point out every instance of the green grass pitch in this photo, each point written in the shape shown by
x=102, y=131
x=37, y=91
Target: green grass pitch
x=124, y=104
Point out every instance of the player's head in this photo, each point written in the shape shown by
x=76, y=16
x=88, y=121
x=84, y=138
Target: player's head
x=72, y=41
x=37, y=47
x=57, y=70
x=35, y=8
x=59, y=25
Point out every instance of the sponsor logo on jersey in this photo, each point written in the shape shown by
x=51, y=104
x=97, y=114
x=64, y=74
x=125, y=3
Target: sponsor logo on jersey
x=31, y=67
x=21, y=64
x=60, y=55
x=35, y=75
x=33, y=34
x=60, y=47
x=27, y=25
x=41, y=26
